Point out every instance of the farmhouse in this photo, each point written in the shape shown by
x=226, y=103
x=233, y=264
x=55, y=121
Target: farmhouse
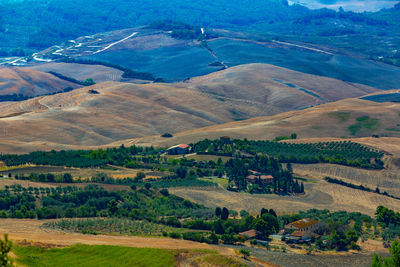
x=302, y=230
x=250, y=234
x=305, y=225
x=179, y=149
x=258, y=178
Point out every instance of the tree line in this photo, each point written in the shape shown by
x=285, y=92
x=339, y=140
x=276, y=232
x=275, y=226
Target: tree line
x=358, y=187
x=343, y=153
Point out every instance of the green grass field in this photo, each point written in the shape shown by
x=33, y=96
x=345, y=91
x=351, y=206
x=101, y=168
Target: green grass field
x=364, y=123
x=221, y=181
x=85, y=255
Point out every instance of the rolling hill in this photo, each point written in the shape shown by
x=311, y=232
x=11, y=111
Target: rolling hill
x=30, y=82
x=174, y=55
x=112, y=111
x=348, y=118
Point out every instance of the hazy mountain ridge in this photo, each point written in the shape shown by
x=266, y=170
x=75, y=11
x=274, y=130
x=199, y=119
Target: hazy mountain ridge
x=37, y=24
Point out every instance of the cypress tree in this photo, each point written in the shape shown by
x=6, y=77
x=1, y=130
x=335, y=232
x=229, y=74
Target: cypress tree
x=218, y=211
x=224, y=213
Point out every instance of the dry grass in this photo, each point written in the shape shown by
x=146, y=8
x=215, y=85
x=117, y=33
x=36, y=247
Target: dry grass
x=30, y=82
x=81, y=72
x=320, y=195
x=314, y=124
x=386, y=180
x=122, y=111
x=30, y=230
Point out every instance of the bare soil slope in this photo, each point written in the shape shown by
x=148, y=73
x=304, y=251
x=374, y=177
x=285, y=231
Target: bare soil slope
x=30, y=82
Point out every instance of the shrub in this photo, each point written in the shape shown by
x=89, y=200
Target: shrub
x=245, y=253
x=147, y=186
x=5, y=248
x=175, y=235
x=167, y=135
x=164, y=192
x=193, y=236
x=212, y=239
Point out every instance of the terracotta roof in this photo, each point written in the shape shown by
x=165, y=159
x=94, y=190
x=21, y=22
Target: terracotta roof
x=250, y=233
x=253, y=172
x=183, y=146
x=266, y=177
x=298, y=234
x=303, y=223
x=252, y=177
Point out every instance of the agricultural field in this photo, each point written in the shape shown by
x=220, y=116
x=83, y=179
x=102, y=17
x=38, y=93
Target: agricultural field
x=322, y=260
x=35, y=245
x=344, y=153
x=321, y=195
x=84, y=255
x=174, y=63
x=385, y=180
x=106, y=255
x=112, y=226
x=235, y=52
x=112, y=171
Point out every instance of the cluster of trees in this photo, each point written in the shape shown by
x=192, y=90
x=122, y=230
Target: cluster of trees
x=359, y=187
x=227, y=230
x=387, y=216
x=343, y=241
x=81, y=158
x=284, y=137
x=46, y=178
x=179, y=30
x=13, y=97
x=344, y=153
x=5, y=248
x=339, y=230
x=393, y=261
x=93, y=201
x=282, y=183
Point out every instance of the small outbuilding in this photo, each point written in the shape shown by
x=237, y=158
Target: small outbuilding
x=181, y=149
x=250, y=234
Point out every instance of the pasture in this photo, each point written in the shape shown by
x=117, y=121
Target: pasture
x=87, y=256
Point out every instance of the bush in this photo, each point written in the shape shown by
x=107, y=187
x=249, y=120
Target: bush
x=193, y=236
x=175, y=235
x=5, y=248
x=212, y=239
x=164, y=192
x=245, y=253
x=167, y=135
x=173, y=221
x=147, y=186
